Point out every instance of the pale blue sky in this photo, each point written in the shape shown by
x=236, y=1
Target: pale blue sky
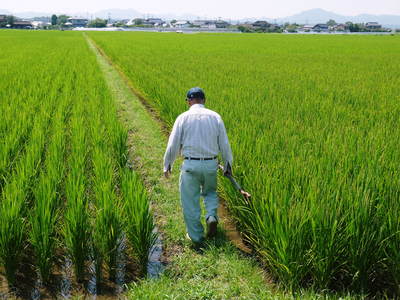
x=216, y=8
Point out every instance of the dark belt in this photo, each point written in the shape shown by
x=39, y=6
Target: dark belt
x=198, y=158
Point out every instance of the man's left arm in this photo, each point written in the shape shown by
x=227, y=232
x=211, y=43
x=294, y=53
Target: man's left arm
x=224, y=147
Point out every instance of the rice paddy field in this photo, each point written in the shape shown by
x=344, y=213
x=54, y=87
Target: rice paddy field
x=66, y=194
x=313, y=123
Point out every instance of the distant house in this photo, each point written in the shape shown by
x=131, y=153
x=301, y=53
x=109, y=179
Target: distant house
x=275, y=27
x=135, y=21
x=153, y=22
x=261, y=24
x=321, y=28
x=210, y=24
x=40, y=24
x=77, y=22
x=182, y=24
x=3, y=18
x=200, y=23
x=339, y=27
x=373, y=25
x=222, y=24
x=22, y=25
x=307, y=28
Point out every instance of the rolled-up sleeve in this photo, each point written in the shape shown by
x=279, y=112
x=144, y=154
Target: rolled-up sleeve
x=223, y=144
x=174, y=145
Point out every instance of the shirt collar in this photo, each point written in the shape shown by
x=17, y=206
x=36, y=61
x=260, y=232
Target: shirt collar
x=197, y=105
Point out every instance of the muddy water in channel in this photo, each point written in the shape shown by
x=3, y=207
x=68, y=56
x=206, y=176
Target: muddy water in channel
x=64, y=286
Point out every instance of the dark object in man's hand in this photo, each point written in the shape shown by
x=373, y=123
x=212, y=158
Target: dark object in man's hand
x=228, y=171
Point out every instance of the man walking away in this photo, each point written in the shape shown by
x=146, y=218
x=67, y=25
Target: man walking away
x=200, y=135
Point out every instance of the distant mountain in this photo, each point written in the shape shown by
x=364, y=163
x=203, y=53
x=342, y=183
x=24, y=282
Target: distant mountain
x=172, y=16
x=116, y=13
x=5, y=12
x=318, y=15
x=31, y=14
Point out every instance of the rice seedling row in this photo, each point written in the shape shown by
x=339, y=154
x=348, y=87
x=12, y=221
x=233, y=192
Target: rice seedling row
x=47, y=198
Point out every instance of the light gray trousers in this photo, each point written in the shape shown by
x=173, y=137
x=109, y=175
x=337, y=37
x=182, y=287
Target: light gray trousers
x=198, y=178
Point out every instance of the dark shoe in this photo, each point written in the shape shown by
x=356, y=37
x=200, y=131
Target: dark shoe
x=196, y=246
x=211, y=226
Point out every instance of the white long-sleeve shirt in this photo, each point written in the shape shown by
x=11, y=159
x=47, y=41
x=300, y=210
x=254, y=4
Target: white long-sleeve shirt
x=200, y=133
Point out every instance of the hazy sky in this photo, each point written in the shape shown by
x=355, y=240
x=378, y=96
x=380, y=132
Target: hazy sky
x=216, y=8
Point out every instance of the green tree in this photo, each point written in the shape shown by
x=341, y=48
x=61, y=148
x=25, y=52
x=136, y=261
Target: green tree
x=3, y=23
x=62, y=19
x=349, y=25
x=244, y=29
x=355, y=27
x=138, y=21
x=292, y=27
x=98, y=23
x=54, y=20
x=331, y=22
x=10, y=20
x=119, y=24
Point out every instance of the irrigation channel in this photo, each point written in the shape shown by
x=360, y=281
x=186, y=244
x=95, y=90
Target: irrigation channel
x=63, y=286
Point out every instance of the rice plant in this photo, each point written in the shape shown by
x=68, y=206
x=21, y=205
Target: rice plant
x=107, y=223
x=138, y=220
x=77, y=227
x=47, y=194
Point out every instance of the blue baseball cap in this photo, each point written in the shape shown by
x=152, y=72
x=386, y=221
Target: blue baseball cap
x=195, y=93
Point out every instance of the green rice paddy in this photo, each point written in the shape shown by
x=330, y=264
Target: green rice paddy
x=312, y=121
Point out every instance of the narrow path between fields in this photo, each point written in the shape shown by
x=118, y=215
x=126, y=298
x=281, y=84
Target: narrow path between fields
x=221, y=271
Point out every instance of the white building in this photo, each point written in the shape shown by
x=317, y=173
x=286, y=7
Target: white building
x=373, y=25
x=182, y=24
x=210, y=24
x=77, y=22
x=40, y=24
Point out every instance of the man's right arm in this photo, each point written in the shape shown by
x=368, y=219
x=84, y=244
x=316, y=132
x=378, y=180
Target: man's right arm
x=174, y=145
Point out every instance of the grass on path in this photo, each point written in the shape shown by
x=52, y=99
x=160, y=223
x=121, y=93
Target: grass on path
x=220, y=271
